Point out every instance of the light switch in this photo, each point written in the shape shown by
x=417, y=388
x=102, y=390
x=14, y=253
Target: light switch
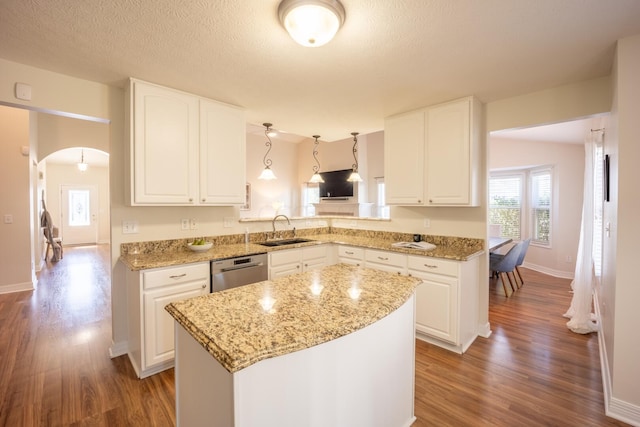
x=184, y=224
x=8, y=219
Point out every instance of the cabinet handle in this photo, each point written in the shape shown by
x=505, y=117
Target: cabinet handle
x=348, y=252
x=383, y=258
x=306, y=265
x=297, y=266
x=430, y=201
x=177, y=276
x=430, y=266
x=190, y=200
x=419, y=201
x=204, y=200
x=204, y=286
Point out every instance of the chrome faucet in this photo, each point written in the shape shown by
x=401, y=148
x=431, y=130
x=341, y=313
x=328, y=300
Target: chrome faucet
x=273, y=223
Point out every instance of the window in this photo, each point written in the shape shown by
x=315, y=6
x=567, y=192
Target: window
x=505, y=204
x=541, y=207
x=383, y=210
x=310, y=195
x=79, y=208
x=515, y=192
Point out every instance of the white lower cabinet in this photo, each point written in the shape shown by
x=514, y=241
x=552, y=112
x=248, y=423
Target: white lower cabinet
x=151, y=328
x=289, y=261
x=446, y=301
x=392, y=262
x=350, y=255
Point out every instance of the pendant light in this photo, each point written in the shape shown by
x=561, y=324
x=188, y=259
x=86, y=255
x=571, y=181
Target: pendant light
x=355, y=176
x=316, y=178
x=267, y=174
x=311, y=23
x=82, y=166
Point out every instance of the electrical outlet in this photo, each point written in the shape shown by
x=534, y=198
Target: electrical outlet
x=129, y=227
x=322, y=223
x=8, y=219
x=569, y=259
x=184, y=224
x=228, y=221
x=427, y=223
x=193, y=224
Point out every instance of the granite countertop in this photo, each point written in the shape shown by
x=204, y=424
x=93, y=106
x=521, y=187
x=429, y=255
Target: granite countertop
x=454, y=249
x=239, y=328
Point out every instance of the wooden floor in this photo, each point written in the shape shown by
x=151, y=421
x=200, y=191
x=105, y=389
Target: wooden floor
x=55, y=369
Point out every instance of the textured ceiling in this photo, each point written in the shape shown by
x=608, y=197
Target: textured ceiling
x=391, y=55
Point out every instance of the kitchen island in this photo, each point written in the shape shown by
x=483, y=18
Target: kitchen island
x=327, y=347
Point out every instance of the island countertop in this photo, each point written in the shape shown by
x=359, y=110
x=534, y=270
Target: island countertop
x=245, y=325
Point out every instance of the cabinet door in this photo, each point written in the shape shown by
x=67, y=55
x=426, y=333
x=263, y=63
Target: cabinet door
x=436, y=306
x=284, y=270
x=222, y=154
x=159, y=325
x=404, y=159
x=448, y=161
x=314, y=264
x=164, y=146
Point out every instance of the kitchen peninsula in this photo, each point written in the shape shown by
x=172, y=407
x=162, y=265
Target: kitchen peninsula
x=327, y=347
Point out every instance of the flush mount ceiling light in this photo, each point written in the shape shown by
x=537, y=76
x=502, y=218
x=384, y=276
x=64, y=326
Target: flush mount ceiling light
x=316, y=178
x=311, y=23
x=267, y=173
x=355, y=176
x=82, y=166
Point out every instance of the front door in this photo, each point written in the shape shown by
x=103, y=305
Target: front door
x=79, y=217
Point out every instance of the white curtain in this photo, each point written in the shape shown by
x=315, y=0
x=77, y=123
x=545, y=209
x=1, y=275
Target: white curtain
x=582, y=319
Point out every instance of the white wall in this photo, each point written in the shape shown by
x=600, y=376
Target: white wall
x=568, y=177
x=62, y=174
x=279, y=196
x=619, y=293
x=16, y=272
x=57, y=132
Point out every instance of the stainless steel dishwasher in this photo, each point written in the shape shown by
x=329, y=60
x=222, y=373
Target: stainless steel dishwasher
x=234, y=272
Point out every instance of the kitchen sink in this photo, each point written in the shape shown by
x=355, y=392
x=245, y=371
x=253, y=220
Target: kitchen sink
x=284, y=242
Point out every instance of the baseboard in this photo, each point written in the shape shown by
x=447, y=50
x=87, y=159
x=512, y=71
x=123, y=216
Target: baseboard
x=550, y=271
x=460, y=349
x=484, y=331
x=118, y=349
x=614, y=408
x=623, y=411
x=17, y=287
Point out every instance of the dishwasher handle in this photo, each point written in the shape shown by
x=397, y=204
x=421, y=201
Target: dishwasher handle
x=240, y=267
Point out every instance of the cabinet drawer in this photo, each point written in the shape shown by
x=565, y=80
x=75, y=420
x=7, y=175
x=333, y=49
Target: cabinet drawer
x=432, y=265
x=175, y=275
x=386, y=258
x=350, y=252
x=284, y=257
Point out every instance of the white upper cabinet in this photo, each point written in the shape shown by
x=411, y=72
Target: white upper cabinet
x=164, y=149
x=404, y=159
x=184, y=150
x=222, y=154
x=445, y=141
